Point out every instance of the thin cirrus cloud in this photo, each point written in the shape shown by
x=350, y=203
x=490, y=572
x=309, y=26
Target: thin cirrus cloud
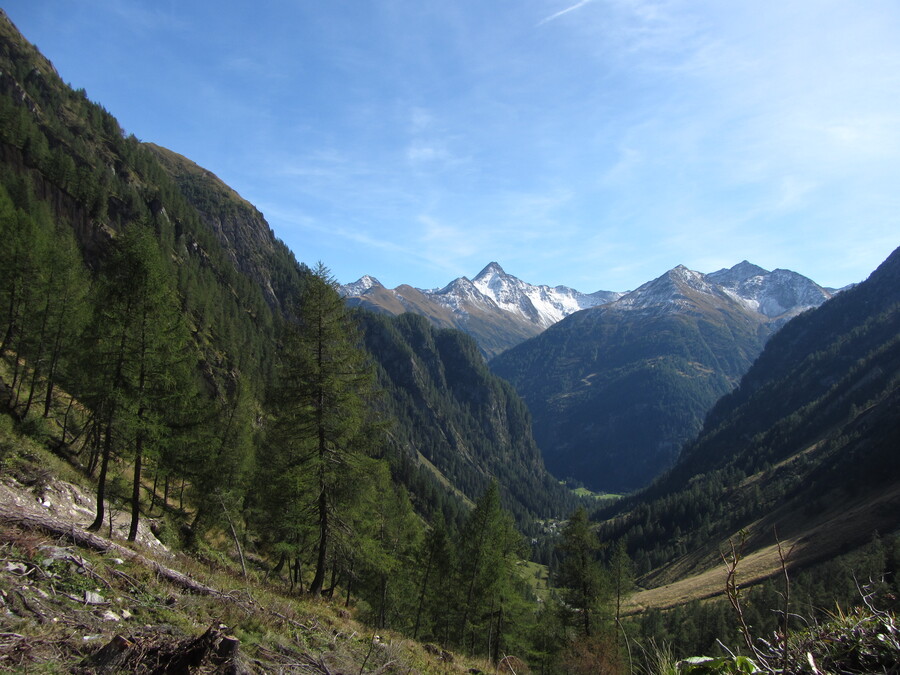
x=591, y=143
x=563, y=12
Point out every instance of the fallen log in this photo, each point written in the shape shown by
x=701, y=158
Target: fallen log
x=33, y=520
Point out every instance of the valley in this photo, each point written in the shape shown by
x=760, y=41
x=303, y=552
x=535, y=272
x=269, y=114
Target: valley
x=492, y=476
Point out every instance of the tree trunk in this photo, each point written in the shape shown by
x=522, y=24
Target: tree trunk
x=101, y=481
x=425, y=576
x=136, y=487
x=153, y=491
x=38, y=357
x=34, y=520
x=51, y=374
x=234, y=536
x=315, y=588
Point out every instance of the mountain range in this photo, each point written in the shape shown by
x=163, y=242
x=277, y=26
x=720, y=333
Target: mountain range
x=500, y=310
x=616, y=381
x=496, y=308
x=802, y=452
x=615, y=390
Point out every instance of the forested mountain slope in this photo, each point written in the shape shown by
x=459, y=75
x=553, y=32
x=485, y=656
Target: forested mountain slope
x=806, y=446
x=456, y=419
x=242, y=231
x=67, y=163
x=614, y=390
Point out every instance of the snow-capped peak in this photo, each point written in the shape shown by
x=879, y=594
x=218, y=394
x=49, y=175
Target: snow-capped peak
x=670, y=291
x=733, y=276
x=773, y=294
x=492, y=269
x=542, y=304
x=360, y=286
x=776, y=294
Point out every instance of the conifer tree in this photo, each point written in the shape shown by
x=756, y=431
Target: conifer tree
x=141, y=359
x=21, y=246
x=321, y=412
x=60, y=314
x=580, y=573
x=621, y=579
x=385, y=534
x=489, y=550
x=436, y=565
x=219, y=457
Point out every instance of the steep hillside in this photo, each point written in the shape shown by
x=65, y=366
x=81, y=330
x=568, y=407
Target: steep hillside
x=805, y=448
x=64, y=156
x=62, y=152
x=615, y=390
x=457, y=420
x=240, y=228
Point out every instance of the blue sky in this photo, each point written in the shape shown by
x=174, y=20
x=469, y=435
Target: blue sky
x=591, y=143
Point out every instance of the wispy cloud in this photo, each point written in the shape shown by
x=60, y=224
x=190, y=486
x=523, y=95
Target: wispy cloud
x=563, y=12
x=623, y=137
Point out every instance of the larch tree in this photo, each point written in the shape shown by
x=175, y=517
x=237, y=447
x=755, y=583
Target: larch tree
x=141, y=359
x=621, y=579
x=436, y=563
x=489, y=549
x=321, y=414
x=580, y=574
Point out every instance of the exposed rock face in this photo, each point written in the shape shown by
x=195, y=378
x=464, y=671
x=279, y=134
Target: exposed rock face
x=241, y=229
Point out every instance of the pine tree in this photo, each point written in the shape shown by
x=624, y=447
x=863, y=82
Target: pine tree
x=580, y=574
x=489, y=549
x=141, y=361
x=320, y=409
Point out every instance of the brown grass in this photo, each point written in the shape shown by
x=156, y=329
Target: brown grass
x=701, y=574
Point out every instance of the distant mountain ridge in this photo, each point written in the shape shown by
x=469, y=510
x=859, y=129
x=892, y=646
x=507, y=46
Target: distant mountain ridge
x=779, y=294
x=615, y=390
x=498, y=309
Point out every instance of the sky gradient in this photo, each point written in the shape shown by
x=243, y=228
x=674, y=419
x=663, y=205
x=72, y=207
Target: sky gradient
x=590, y=143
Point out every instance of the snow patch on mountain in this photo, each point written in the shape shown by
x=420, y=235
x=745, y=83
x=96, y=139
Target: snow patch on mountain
x=359, y=287
x=542, y=304
x=773, y=294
